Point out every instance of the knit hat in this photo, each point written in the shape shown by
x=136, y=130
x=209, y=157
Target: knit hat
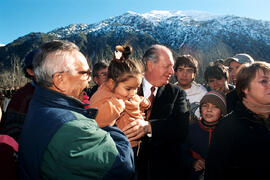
x=240, y=58
x=216, y=98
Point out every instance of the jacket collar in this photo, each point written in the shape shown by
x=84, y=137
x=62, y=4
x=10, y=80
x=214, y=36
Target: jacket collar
x=56, y=99
x=245, y=113
x=206, y=127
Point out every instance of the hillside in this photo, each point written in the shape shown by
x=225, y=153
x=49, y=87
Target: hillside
x=205, y=36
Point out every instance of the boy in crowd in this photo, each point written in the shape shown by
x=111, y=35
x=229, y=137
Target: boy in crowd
x=186, y=69
x=217, y=77
x=213, y=108
x=234, y=63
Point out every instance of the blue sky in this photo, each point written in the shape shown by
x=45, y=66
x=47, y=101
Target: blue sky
x=20, y=17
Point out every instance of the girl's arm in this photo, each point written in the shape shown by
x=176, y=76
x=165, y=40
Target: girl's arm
x=108, y=111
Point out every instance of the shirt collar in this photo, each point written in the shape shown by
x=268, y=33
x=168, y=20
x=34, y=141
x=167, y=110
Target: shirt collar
x=146, y=85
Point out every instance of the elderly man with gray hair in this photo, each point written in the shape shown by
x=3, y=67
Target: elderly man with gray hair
x=161, y=154
x=60, y=139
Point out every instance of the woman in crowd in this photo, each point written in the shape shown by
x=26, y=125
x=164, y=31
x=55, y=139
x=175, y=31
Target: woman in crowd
x=240, y=146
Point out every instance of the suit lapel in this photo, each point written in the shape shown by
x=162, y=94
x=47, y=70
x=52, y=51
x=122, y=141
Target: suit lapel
x=159, y=92
x=157, y=100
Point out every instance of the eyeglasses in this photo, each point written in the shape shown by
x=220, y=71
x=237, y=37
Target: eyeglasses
x=86, y=74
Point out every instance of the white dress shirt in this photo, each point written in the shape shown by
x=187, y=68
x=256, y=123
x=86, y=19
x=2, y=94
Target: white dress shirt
x=147, y=88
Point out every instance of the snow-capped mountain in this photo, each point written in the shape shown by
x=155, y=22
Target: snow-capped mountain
x=175, y=28
x=184, y=31
x=136, y=20
x=204, y=35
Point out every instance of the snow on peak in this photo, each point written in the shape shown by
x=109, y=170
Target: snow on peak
x=200, y=15
x=159, y=15
x=171, y=24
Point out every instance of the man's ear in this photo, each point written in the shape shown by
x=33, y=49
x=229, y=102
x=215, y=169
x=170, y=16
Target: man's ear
x=149, y=66
x=58, y=82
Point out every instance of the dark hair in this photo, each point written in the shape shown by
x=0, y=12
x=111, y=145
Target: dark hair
x=246, y=73
x=99, y=66
x=220, y=61
x=186, y=61
x=122, y=69
x=217, y=71
x=28, y=62
x=126, y=50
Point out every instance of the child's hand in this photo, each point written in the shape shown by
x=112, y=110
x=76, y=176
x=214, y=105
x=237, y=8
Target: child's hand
x=145, y=103
x=122, y=104
x=199, y=165
x=132, y=105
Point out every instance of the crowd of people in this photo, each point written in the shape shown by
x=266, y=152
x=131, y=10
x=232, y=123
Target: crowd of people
x=134, y=124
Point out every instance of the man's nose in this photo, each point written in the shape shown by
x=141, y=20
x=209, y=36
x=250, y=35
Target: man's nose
x=89, y=79
x=185, y=72
x=171, y=70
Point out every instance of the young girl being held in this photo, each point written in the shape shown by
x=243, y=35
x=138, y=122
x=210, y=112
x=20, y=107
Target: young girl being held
x=212, y=109
x=117, y=100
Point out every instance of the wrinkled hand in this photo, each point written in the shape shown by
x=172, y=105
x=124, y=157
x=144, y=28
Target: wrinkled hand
x=199, y=165
x=136, y=129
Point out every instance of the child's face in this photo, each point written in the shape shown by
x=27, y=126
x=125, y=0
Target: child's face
x=127, y=89
x=210, y=112
x=218, y=84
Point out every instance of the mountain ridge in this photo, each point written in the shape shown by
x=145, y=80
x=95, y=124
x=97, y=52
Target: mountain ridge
x=206, y=36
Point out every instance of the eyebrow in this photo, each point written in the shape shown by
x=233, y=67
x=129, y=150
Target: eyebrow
x=89, y=72
x=264, y=76
x=131, y=87
x=185, y=68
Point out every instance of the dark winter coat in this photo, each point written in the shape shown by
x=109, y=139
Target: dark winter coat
x=240, y=147
x=61, y=140
x=161, y=156
x=199, y=138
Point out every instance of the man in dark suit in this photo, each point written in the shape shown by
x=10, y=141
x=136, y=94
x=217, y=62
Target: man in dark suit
x=161, y=153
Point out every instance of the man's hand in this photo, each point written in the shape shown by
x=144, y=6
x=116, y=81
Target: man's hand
x=137, y=128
